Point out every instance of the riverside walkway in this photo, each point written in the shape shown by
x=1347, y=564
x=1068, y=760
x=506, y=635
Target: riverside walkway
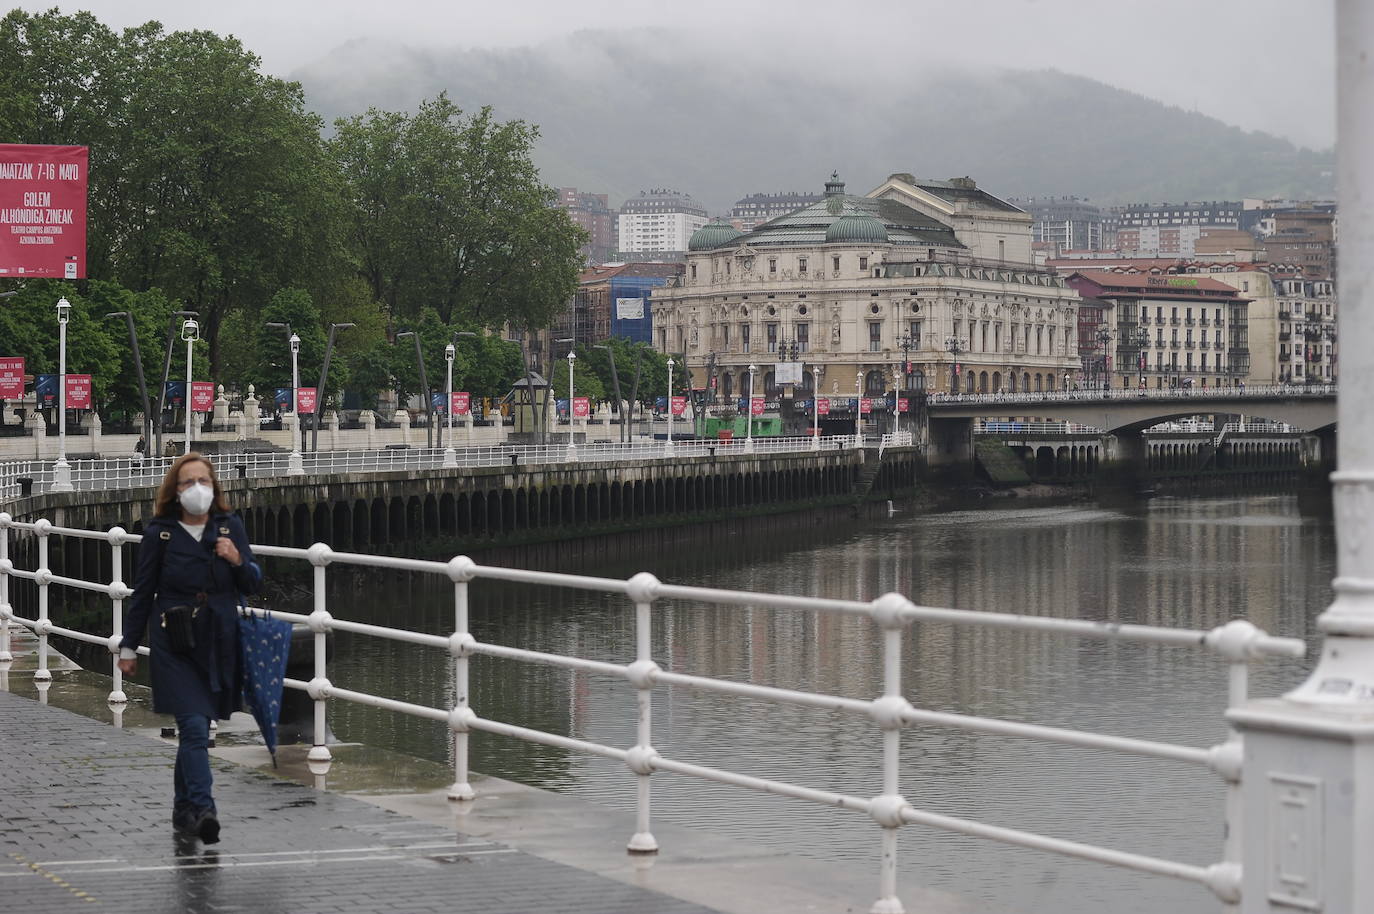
x=86, y=827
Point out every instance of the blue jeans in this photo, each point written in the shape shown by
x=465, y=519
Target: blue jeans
x=192, y=778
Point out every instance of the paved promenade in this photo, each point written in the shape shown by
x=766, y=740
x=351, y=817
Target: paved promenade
x=86, y=827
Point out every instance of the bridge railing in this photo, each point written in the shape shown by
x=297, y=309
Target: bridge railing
x=1037, y=427
x=1238, y=643
x=1263, y=392
x=125, y=472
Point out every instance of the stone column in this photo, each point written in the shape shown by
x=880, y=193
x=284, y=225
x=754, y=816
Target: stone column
x=38, y=432
x=402, y=419
x=369, y=420
x=91, y=423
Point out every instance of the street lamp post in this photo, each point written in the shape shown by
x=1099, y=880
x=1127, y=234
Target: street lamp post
x=670, y=402
x=955, y=345
x=167, y=372
x=61, y=470
x=142, y=384
x=749, y=411
x=1104, y=337
x=296, y=464
x=450, y=455
x=816, y=409
x=859, y=410
x=324, y=378
x=572, y=421
x=190, y=332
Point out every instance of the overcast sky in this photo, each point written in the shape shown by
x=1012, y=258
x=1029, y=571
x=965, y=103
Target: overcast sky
x=1259, y=64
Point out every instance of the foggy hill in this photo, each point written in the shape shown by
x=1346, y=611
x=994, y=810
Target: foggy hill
x=627, y=111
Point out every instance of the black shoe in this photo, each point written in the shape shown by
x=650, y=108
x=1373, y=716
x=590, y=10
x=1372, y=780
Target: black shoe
x=207, y=827
x=184, y=822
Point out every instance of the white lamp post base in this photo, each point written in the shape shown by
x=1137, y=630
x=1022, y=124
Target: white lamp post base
x=61, y=476
x=296, y=465
x=450, y=459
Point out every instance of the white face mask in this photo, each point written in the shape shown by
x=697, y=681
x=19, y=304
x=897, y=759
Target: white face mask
x=197, y=498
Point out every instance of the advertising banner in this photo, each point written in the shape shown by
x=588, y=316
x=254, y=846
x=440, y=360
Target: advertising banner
x=823, y=406
x=305, y=397
x=460, y=402
x=902, y=404
x=12, y=379
x=282, y=397
x=581, y=407
x=788, y=372
x=43, y=211
x=865, y=405
x=175, y=397
x=45, y=390
x=679, y=405
x=202, y=396
x=629, y=309
x=78, y=391
x=756, y=406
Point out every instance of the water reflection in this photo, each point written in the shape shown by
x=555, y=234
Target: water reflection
x=1171, y=562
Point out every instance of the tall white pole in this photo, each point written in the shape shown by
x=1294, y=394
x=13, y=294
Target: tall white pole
x=859, y=411
x=816, y=409
x=450, y=455
x=296, y=464
x=670, y=404
x=62, y=471
x=749, y=411
x=189, y=375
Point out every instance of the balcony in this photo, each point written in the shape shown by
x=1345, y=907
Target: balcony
x=1202, y=321
x=1204, y=344
x=1174, y=344
x=1285, y=315
x=1188, y=321
x=1285, y=355
x=1285, y=337
x=1174, y=321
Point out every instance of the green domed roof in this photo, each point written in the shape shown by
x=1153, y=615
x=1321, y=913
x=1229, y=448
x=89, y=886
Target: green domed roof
x=713, y=235
x=856, y=229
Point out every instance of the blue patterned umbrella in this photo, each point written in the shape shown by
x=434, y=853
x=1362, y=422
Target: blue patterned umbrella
x=266, y=644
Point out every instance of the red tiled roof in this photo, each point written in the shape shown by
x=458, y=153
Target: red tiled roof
x=1185, y=285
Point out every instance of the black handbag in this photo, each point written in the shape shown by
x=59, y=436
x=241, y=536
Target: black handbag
x=178, y=622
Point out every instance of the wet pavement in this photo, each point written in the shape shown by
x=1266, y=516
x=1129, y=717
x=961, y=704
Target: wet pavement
x=87, y=827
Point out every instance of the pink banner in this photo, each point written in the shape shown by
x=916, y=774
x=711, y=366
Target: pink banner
x=43, y=211
x=679, y=405
x=78, y=391
x=202, y=396
x=305, y=400
x=12, y=379
x=823, y=406
x=902, y=405
x=756, y=406
x=865, y=405
x=582, y=407
x=460, y=402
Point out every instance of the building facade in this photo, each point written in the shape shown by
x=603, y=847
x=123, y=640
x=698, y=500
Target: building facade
x=1067, y=223
x=658, y=222
x=918, y=285
x=593, y=213
x=756, y=209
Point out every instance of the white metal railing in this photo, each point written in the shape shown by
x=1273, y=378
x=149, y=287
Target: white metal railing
x=1238, y=643
x=126, y=472
x=1265, y=392
x=1038, y=427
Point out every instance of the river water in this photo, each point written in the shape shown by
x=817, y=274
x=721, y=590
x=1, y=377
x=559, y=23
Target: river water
x=1194, y=563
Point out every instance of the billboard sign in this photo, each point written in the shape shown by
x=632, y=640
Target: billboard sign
x=43, y=211
x=581, y=407
x=629, y=309
x=12, y=378
x=460, y=402
x=679, y=405
x=202, y=396
x=78, y=391
x=305, y=399
x=823, y=406
x=756, y=406
x=788, y=372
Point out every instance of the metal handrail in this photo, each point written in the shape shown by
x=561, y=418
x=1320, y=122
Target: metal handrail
x=1238, y=642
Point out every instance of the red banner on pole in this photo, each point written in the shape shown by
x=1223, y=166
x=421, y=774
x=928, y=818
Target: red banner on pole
x=902, y=404
x=78, y=391
x=43, y=211
x=865, y=405
x=679, y=406
x=305, y=400
x=582, y=407
x=756, y=406
x=460, y=402
x=823, y=406
x=202, y=396
x=12, y=378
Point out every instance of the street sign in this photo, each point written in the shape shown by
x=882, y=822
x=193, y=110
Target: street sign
x=305, y=400
x=461, y=403
x=78, y=391
x=581, y=407
x=202, y=396
x=823, y=406
x=43, y=211
x=12, y=378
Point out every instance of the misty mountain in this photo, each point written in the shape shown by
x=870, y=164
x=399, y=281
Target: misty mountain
x=621, y=112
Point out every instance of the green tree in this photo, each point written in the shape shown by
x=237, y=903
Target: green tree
x=448, y=212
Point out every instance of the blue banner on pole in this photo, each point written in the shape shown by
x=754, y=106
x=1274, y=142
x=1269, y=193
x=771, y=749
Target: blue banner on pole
x=176, y=394
x=45, y=390
x=282, y=397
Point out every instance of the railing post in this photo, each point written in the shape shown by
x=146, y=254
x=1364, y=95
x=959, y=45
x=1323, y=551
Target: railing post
x=116, y=700
x=643, y=588
x=42, y=678
x=886, y=808
x=1309, y=756
x=461, y=571
x=6, y=658
x=319, y=760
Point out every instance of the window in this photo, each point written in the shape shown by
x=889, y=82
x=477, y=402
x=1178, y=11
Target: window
x=875, y=336
x=863, y=264
x=772, y=264
x=915, y=331
x=1144, y=314
x=801, y=264
x=694, y=271
x=803, y=337
x=744, y=337
x=835, y=264
x=770, y=332
x=1001, y=250
x=725, y=335
x=1039, y=340
x=727, y=266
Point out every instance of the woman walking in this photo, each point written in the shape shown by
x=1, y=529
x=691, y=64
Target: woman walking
x=192, y=566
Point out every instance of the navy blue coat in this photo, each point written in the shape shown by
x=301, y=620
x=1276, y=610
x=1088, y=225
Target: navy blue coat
x=172, y=569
